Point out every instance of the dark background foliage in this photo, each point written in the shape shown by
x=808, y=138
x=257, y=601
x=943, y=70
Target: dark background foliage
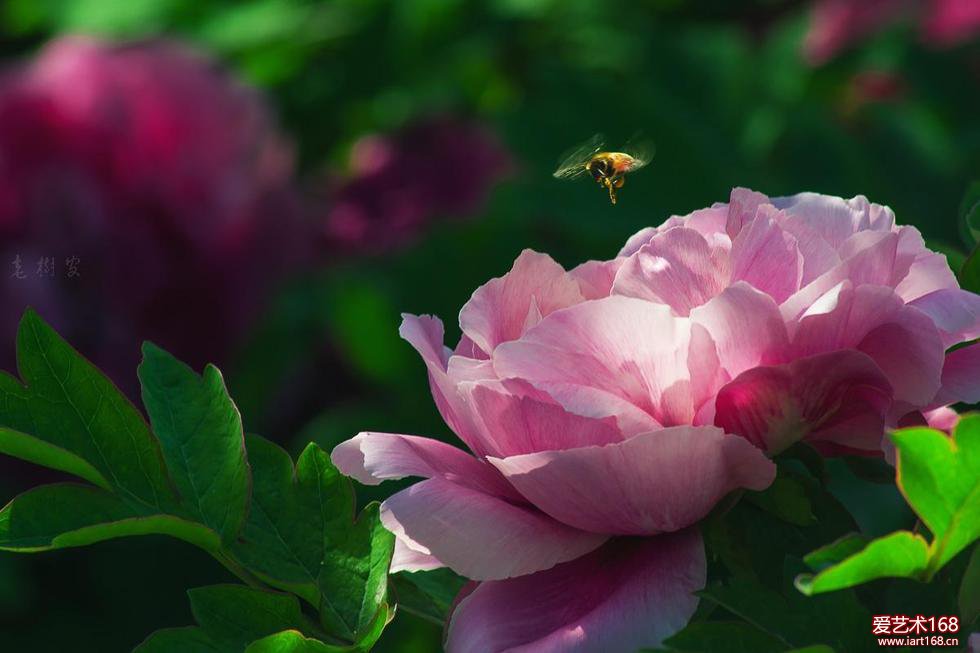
x=418, y=138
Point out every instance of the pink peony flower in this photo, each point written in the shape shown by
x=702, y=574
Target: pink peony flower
x=432, y=168
x=166, y=182
x=836, y=24
x=608, y=408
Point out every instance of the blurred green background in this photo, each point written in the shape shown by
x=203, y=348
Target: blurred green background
x=721, y=87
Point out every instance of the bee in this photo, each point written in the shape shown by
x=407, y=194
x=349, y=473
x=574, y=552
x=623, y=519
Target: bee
x=608, y=169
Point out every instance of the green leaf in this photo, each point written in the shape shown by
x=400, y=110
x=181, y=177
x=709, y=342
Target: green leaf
x=66, y=403
x=34, y=450
x=940, y=478
x=835, y=551
x=969, y=594
x=786, y=498
x=66, y=514
x=200, y=432
x=723, y=637
x=301, y=536
x=901, y=554
x=180, y=640
x=793, y=619
x=428, y=594
x=235, y=615
x=970, y=213
x=292, y=641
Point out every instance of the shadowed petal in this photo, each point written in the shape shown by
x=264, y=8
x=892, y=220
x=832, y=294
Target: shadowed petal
x=652, y=483
x=840, y=397
x=955, y=312
x=478, y=535
x=903, y=342
x=628, y=595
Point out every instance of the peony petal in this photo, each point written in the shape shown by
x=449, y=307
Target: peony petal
x=902, y=341
x=835, y=218
x=746, y=327
x=631, y=594
x=371, y=458
x=425, y=334
x=654, y=482
x=767, y=257
x=677, y=267
x=498, y=310
x=929, y=271
x=955, y=312
x=616, y=356
x=961, y=377
x=840, y=397
x=595, y=278
x=742, y=206
x=405, y=558
x=478, y=535
x=522, y=424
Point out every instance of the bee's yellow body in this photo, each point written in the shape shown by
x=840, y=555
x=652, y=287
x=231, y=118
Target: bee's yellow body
x=608, y=169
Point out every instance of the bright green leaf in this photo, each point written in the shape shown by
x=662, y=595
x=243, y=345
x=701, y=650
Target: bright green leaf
x=65, y=401
x=66, y=515
x=836, y=551
x=901, y=554
x=940, y=478
x=301, y=536
x=292, y=641
x=200, y=433
x=181, y=640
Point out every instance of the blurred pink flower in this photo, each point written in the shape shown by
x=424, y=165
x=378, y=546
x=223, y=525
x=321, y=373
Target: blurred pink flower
x=837, y=24
x=166, y=181
x=609, y=408
x=437, y=167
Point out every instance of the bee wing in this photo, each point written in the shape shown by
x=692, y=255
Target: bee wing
x=641, y=148
x=574, y=160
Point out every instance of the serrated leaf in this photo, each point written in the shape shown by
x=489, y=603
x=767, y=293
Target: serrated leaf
x=969, y=594
x=428, y=594
x=66, y=514
x=723, y=637
x=200, y=433
x=180, y=640
x=235, y=615
x=940, y=478
x=301, y=536
x=66, y=402
x=901, y=554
